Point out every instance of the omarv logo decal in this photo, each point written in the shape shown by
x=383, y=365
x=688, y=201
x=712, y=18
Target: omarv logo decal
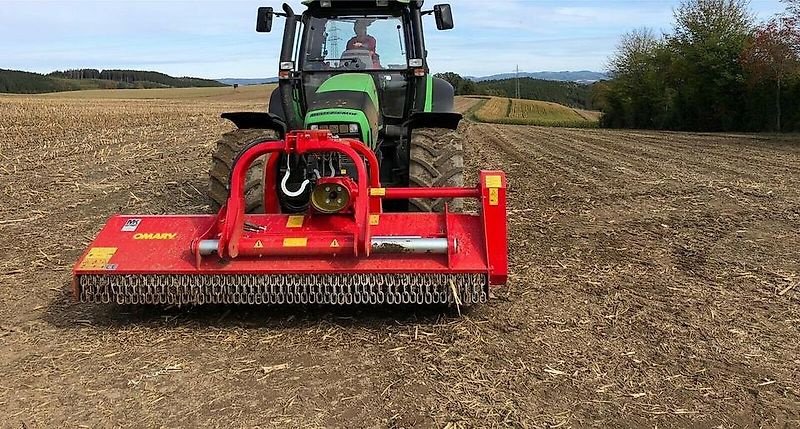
x=155, y=236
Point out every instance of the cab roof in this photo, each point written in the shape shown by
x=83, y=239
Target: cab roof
x=366, y=2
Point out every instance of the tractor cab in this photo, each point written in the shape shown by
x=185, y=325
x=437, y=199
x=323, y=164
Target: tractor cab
x=368, y=44
x=358, y=69
x=377, y=44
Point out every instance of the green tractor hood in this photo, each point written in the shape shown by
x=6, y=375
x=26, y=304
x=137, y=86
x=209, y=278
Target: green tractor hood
x=345, y=99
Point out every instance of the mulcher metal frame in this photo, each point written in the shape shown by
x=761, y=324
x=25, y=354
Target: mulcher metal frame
x=191, y=259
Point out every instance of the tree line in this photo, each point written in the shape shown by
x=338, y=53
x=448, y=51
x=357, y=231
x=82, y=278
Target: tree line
x=718, y=70
x=567, y=93
x=134, y=76
x=20, y=82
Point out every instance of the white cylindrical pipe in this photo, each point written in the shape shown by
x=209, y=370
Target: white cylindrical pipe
x=409, y=245
x=382, y=244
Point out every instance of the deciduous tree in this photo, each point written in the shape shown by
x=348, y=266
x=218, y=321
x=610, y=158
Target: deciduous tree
x=773, y=54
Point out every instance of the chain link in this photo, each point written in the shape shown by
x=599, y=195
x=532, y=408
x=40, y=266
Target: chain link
x=336, y=289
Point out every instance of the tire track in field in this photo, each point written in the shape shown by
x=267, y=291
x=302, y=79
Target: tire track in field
x=763, y=152
x=762, y=174
x=527, y=141
x=617, y=187
x=492, y=136
x=691, y=170
x=621, y=187
x=683, y=145
x=610, y=158
x=656, y=161
x=684, y=162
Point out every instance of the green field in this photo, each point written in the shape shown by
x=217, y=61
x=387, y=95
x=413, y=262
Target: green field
x=532, y=112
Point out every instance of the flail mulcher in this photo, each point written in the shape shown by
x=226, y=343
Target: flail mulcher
x=340, y=194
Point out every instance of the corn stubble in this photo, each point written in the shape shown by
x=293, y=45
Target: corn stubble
x=653, y=284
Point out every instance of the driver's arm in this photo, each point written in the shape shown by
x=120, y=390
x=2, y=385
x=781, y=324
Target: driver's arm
x=373, y=48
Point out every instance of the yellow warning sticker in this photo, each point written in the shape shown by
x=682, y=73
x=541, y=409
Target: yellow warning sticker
x=494, y=181
x=335, y=243
x=374, y=219
x=494, y=197
x=295, y=221
x=377, y=192
x=97, y=258
x=295, y=242
x=258, y=245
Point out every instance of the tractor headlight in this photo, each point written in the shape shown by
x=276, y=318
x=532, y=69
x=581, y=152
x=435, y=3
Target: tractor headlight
x=338, y=129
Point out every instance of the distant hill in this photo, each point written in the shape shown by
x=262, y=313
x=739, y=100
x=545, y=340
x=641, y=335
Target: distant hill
x=257, y=81
x=571, y=94
x=21, y=82
x=583, y=76
x=136, y=76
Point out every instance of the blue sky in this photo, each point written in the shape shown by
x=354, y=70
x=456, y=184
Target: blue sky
x=216, y=38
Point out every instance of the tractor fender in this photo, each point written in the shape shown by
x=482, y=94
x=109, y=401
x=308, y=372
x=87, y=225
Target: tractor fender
x=448, y=120
x=261, y=120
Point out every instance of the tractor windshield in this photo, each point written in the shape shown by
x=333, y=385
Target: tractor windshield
x=355, y=43
x=373, y=44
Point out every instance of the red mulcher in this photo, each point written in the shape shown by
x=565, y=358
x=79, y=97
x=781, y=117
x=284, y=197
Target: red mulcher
x=344, y=250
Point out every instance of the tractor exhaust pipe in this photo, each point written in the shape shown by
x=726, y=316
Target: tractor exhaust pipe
x=286, y=86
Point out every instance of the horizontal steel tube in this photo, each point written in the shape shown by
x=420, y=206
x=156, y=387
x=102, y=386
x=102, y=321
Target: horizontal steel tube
x=208, y=247
x=405, y=193
x=385, y=244
x=409, y=245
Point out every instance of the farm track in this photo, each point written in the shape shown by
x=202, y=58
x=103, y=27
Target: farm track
x=655, y=280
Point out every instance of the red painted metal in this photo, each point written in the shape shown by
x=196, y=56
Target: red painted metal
x=406, y=193
x=299, y=142
x=345, y=182
x=271, y=203
x=495, y=227
x=276, y=243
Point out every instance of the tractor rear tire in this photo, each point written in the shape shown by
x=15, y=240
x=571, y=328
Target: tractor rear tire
x=437, y=160
x=228, y=147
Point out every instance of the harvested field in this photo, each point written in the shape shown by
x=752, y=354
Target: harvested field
x=245, y=93
x=462, y=104
x=533, y=112
x=655, y=283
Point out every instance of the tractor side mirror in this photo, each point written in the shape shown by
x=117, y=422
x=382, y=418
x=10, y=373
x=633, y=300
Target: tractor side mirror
x=264, y=20
x=444, y=16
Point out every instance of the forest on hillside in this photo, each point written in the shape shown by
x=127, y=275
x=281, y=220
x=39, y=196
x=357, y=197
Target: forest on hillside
x=22, y=82
x=718, y=70
x=567, y=93
x=134, y=76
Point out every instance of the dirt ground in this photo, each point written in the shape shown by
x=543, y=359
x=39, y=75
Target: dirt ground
x=655, y=283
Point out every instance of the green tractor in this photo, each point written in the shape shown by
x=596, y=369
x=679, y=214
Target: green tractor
x=360, y=70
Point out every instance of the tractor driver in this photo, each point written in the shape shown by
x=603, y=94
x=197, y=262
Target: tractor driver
x=364, y=41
